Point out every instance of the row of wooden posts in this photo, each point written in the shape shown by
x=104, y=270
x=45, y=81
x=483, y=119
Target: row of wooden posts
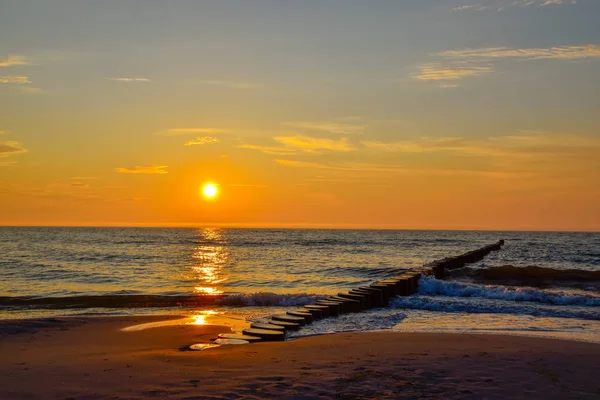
x=438, y=268
x=360, y=299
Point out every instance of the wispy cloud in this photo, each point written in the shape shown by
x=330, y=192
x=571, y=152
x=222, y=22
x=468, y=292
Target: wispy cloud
x=9, y=149
x=501, y=5
x=448, y=85
x=438, y=72
x=466, y=63
x=13, y=60
x=302, y=164
x=148, y=169
x=129, y=79
x=70, y=190
x=557, y=53
x=526, y=144
x=465, y=7
x=18, y=79
x=201, y=140
x=557, y=2
x=190, y=131
x=302, y=144
x=311, y=144
x=30, y=90
x=374, y=168
x=269, y=149
x=538, y=158
x=232, y=84
x=328, y=126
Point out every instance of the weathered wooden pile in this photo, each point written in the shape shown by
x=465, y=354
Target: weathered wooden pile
x=360, y=299
x=438, y=268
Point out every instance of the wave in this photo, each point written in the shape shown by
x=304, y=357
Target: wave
x=128, y=300
x=263, y=299
x=108, y=301
x=432, y=286
x=492, y=306
x=531, y=275
x=375, y=272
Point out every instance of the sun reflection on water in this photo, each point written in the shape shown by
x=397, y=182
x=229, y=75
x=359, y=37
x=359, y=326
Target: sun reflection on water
x=211, y=258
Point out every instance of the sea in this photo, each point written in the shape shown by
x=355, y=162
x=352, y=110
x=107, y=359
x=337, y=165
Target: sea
x=540, y=284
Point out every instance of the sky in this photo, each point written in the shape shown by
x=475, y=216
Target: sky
x=406, y=114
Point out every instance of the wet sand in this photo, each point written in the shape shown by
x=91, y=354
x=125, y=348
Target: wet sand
x=91, y=358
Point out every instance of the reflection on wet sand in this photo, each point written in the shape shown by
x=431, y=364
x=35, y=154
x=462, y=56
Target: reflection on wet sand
x=206, y=317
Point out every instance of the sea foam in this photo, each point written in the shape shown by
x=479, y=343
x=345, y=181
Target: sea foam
x=432, y=286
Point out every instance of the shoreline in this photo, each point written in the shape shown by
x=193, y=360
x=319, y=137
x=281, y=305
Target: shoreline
x=229, y=323
x=91, y=357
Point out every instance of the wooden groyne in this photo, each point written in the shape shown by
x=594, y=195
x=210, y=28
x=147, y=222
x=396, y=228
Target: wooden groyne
x=438, y=268
x=377, y=294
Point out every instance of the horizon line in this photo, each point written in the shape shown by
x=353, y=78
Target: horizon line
x=292, y=226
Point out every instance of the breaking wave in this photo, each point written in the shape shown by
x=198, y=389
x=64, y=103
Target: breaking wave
x=263, y=299
x=492, y=306
x=432, y=286
x=107, y=301
x=531, y=275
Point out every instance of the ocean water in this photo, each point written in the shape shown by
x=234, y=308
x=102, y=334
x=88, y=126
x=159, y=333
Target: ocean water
x=545, y=283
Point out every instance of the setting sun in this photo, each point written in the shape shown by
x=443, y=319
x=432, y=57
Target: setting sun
x=210, y=191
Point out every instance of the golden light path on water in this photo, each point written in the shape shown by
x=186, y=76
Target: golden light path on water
x=211, y=260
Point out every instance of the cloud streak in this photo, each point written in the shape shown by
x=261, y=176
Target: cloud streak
x=555, y=53
x=147, y=169
x=16, y=79
x=311, y=144
x=525, y=145
x=30, y=90
x=9, y=148
x=437, y=72
x=129, y=79
x=269, y=149
x=369, y=168
x=501, y=5
x=13, y=60
x=459, y=64
x=201, y=141
x=551, y=159
x=326, y=126
x=302, y=144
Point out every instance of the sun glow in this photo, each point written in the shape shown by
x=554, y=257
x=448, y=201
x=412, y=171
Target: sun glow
x=210, y=191
x=201, y=319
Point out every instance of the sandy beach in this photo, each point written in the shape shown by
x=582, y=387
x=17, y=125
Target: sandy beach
x=92, y=358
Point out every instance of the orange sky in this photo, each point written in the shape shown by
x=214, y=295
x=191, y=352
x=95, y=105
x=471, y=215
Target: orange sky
x=417, y=116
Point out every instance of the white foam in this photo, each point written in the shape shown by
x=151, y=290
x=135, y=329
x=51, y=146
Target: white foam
x=432, y=286
x=263, y=299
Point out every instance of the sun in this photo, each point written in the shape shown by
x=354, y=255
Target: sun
x=210, y=190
